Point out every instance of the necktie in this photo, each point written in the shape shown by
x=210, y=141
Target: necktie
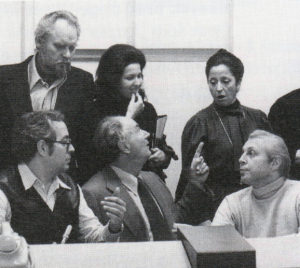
x=158, y=225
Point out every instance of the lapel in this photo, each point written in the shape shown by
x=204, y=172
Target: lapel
x=133, y=219
x=160, y=193
x=65, y=92
x=17, y=90
x=67, y=96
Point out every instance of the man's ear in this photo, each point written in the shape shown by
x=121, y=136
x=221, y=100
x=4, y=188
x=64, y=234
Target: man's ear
x=42, y=147
x=124, y=146
x=39, y=42
x=276, y=163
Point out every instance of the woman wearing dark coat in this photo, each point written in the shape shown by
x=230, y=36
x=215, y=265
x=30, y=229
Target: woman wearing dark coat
x=224, y=126
x=119, y=80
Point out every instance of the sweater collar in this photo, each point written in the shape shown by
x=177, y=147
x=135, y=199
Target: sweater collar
x=269, y=189
x=232, y=109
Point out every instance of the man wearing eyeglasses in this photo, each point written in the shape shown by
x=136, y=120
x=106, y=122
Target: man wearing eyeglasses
x=36, y=195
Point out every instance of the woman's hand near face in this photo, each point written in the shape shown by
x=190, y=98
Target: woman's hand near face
x=135, y=107
x=157, y=158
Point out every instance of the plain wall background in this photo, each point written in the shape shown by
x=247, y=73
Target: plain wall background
x=263, y=34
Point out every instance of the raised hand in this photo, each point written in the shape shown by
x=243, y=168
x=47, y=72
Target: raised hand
x=115, y=209
x=157, y=157
x=199, y=170
x=135, y=106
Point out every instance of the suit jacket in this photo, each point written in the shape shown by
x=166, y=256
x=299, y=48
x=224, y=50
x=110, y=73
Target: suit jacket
x=102, y=184
x=74, y=100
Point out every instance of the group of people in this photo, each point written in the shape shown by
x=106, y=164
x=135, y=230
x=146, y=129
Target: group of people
x=82, y=153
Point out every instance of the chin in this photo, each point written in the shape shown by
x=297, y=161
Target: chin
x=66, y=167
x=245, y=181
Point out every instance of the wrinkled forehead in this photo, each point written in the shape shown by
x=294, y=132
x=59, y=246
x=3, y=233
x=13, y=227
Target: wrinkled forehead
x=63, y=29
x=258, y=143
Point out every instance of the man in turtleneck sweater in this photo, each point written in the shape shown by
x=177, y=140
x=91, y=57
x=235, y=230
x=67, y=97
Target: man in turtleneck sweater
x=271, y=205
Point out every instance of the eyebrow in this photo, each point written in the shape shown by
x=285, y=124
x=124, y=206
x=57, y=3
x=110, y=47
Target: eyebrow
x=65, y=137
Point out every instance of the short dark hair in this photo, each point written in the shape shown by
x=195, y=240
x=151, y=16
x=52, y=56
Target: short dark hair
x=31, y=128
x=231, y=61
x=107, y=137
x=112, y=64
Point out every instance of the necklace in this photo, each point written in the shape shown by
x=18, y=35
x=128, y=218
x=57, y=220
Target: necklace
x=225, y=130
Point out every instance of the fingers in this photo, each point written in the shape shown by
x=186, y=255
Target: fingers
x=116, y=192
x=199, y=149
x=113, y=209
x=157, y=155
x=113, y=200
x=201, y=167
x=139, y=97
x=132, y=98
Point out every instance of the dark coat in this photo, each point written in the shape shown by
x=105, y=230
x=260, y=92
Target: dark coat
x=74, y=100
x=193, y=205
x=284, y=117
x=218, y=152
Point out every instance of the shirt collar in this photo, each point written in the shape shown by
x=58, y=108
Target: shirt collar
x=29, y=179
x=127, y=179
x=34, y=77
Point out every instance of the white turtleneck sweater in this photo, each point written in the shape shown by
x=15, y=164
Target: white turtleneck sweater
x=272, y=210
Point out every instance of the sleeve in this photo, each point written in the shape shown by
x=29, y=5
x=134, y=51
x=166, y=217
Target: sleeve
x=276, y=117
x=90, y=229
x=280, y=119
x=5, y=209
x=193, y=133
x=195, y=206
x=224, y=214
x=264, y=122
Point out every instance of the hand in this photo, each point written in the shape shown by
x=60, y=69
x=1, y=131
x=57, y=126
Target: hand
x=157, y=158
x=135, y=107
x=199, y=170
x=115, y=209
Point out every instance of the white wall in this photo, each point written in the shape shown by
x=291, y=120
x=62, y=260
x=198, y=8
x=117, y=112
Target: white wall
x=10, y=32
x=264, y=34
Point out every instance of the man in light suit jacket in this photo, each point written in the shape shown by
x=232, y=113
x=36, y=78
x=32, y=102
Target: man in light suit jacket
x=46, y=81
x=150, y=210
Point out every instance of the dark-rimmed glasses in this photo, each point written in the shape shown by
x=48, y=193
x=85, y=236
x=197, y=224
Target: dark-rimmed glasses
x=66, y=142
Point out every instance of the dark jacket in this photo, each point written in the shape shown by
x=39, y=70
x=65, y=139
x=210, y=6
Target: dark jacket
x=190, y=209
x=284, y=117
x=32, y=218
x=74, y=100
x=218, y=152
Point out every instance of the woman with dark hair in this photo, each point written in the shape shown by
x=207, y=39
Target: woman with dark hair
x=119, y=80
x=223, y=127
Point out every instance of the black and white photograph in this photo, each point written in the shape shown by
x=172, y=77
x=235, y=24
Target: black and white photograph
x=149, y=133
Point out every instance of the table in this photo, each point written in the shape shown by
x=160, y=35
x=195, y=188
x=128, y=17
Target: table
x=281, y=251
x=140, y=254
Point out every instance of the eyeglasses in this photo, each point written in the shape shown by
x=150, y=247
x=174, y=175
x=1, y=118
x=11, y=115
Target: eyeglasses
x=66, y=142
